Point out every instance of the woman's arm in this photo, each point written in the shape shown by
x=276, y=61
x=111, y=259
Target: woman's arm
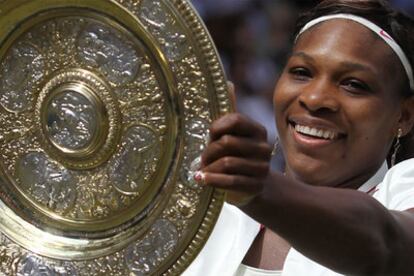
x=345, y=230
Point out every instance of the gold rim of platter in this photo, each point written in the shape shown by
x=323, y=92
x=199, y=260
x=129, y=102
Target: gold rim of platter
x=105, y=107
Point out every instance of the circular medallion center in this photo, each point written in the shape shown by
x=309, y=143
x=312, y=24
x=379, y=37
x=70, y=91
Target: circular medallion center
x=79, y=119
x=72, y=120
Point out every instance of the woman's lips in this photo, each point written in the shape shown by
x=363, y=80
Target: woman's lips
x=314, y=136
x=316, y=132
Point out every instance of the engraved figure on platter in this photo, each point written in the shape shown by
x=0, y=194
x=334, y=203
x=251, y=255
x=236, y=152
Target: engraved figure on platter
x=127, y=170
x=33, y=265
x=19, y=72
x=144, y=256
x=99, y=47
x=49, y=184
x=71, y=120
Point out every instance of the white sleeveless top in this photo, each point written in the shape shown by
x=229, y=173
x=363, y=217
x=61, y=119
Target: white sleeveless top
x=245, y=270
x=234, y=232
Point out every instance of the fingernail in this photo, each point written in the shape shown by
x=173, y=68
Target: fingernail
x=200, y=177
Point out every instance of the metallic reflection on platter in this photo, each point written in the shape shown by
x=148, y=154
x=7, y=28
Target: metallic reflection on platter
x=105, y=107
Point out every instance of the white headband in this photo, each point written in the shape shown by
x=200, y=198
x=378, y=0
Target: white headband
x=376, y=29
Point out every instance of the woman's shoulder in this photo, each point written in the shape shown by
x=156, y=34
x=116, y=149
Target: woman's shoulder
x=401, y=172
x=396, y=192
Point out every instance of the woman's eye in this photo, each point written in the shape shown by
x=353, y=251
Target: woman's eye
x=300, y=73
x=355, y=86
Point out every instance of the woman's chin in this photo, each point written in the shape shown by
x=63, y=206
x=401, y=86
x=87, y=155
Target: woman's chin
x=313, y=173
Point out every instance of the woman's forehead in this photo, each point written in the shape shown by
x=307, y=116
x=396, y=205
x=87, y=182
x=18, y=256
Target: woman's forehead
x=341, y=38
x=340, y=31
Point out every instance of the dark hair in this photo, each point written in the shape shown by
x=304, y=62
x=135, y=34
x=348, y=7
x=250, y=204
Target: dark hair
x=397, y=24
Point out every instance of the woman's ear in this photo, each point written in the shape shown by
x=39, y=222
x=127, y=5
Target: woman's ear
x=406, y=121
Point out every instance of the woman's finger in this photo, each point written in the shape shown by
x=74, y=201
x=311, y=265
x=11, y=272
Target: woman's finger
x=229, y=145
x=239, y=166
x=232, y=182
x=240, y=189
x=239, y=125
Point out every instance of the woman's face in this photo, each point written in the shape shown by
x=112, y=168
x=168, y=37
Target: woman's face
x=338, y=104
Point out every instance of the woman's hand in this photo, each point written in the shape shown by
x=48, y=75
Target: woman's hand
x=237, y=158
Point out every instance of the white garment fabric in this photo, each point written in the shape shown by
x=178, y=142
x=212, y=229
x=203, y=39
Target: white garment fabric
x=227, y=245
x=245, y=270
x=234, y=231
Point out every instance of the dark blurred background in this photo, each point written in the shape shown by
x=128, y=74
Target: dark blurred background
x=253, y=38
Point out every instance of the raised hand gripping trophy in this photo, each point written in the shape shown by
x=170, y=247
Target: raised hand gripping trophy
x=105, y=107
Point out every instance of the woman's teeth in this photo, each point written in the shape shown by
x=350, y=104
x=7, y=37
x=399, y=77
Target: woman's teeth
x=315, y=132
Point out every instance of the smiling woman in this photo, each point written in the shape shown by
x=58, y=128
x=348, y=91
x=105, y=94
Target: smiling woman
x=342, y=104
x=334, y=83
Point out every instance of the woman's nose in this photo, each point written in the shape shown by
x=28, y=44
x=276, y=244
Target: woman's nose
x=319, y=96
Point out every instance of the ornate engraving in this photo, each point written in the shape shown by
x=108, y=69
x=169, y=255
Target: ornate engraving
x=71, y=117
x=112, y=265
x=10, y=255
x=34, y=265
x=102, y=112
x=19, y=73
x=126, y=173
x=162, y=25
x=143, y=258
x=108, y=51
x=157, y=108
x=48, y=183
x=196, y=137
x=185, y=208
x=71, y=120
